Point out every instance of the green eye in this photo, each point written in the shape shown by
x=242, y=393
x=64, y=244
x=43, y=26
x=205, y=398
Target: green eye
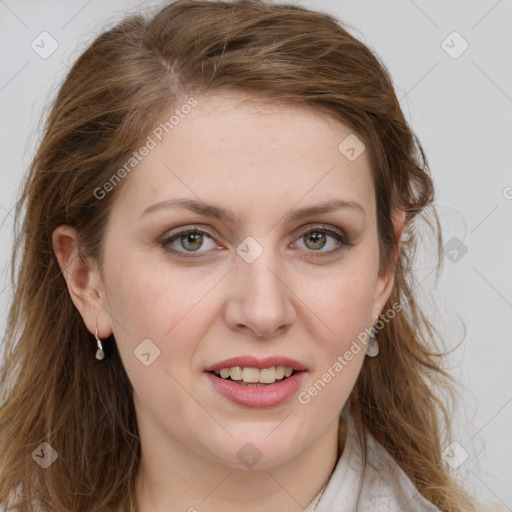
x=191, y=240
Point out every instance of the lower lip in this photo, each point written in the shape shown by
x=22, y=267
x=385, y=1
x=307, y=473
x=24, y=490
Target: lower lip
x=267, y=396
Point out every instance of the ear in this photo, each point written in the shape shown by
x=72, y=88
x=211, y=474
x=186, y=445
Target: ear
x=386, y=279
x=83, y=280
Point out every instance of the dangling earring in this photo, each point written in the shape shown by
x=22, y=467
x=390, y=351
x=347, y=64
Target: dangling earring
x=372, y=348
x=99, y=352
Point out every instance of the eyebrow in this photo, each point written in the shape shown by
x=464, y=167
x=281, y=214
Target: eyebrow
x=223, y=214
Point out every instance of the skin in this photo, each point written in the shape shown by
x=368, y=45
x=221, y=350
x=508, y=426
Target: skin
x=261, y=162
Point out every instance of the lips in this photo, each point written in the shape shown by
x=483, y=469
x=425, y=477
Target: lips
x=257, y=395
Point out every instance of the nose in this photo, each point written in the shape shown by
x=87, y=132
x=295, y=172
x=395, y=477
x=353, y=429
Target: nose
x=259, y=299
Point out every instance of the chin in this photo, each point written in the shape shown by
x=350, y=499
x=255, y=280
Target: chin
x=255, y=451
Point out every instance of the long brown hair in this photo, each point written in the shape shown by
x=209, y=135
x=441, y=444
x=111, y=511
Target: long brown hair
x=52, y=388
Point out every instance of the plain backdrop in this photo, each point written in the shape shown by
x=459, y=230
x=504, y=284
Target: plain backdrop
x=451, y=63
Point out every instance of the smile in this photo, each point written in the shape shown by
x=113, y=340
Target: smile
x=256, y=394
x=254, y=376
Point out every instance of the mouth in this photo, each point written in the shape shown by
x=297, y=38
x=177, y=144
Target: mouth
x=255, y=377
x=256, y=383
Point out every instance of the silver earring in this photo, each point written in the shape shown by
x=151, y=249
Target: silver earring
x=99, y=351
x=372, y=348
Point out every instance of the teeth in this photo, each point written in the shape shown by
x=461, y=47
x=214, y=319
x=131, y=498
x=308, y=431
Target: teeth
x=255, y=375
x=235, y=373
x=267, y=375
x=250, y=375
x=224, y=373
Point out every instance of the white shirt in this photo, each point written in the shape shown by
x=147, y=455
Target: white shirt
x=384, y=485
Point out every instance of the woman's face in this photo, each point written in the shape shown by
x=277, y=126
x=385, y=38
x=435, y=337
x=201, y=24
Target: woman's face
x=266, y=285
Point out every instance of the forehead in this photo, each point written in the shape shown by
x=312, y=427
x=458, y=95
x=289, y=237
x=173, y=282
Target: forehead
x=245, y=125
x=238, y=149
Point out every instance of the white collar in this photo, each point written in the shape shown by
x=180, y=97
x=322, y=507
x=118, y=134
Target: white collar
x=383, y=487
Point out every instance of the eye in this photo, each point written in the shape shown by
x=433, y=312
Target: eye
x=190, y=240
x=317, y=238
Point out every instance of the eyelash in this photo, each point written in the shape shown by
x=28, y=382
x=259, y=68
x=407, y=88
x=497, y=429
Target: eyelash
x=340, y=237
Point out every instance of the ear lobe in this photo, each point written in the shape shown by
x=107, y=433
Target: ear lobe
x=82, y=278
x=386, y=280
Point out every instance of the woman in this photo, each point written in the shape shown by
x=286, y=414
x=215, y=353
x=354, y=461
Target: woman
x=214, y=306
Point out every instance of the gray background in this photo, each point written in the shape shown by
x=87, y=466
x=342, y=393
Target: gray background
x=460, y=106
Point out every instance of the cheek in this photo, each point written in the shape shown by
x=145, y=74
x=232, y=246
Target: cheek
x=344, y=306
x=346, y=313
x=151, y=308
x=159, y=303
x=346, y=299
x=340, y=344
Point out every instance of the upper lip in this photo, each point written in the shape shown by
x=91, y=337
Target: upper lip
x=254, y=362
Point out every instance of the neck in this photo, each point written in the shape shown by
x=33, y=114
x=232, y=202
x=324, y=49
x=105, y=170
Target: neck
x=177, y=478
